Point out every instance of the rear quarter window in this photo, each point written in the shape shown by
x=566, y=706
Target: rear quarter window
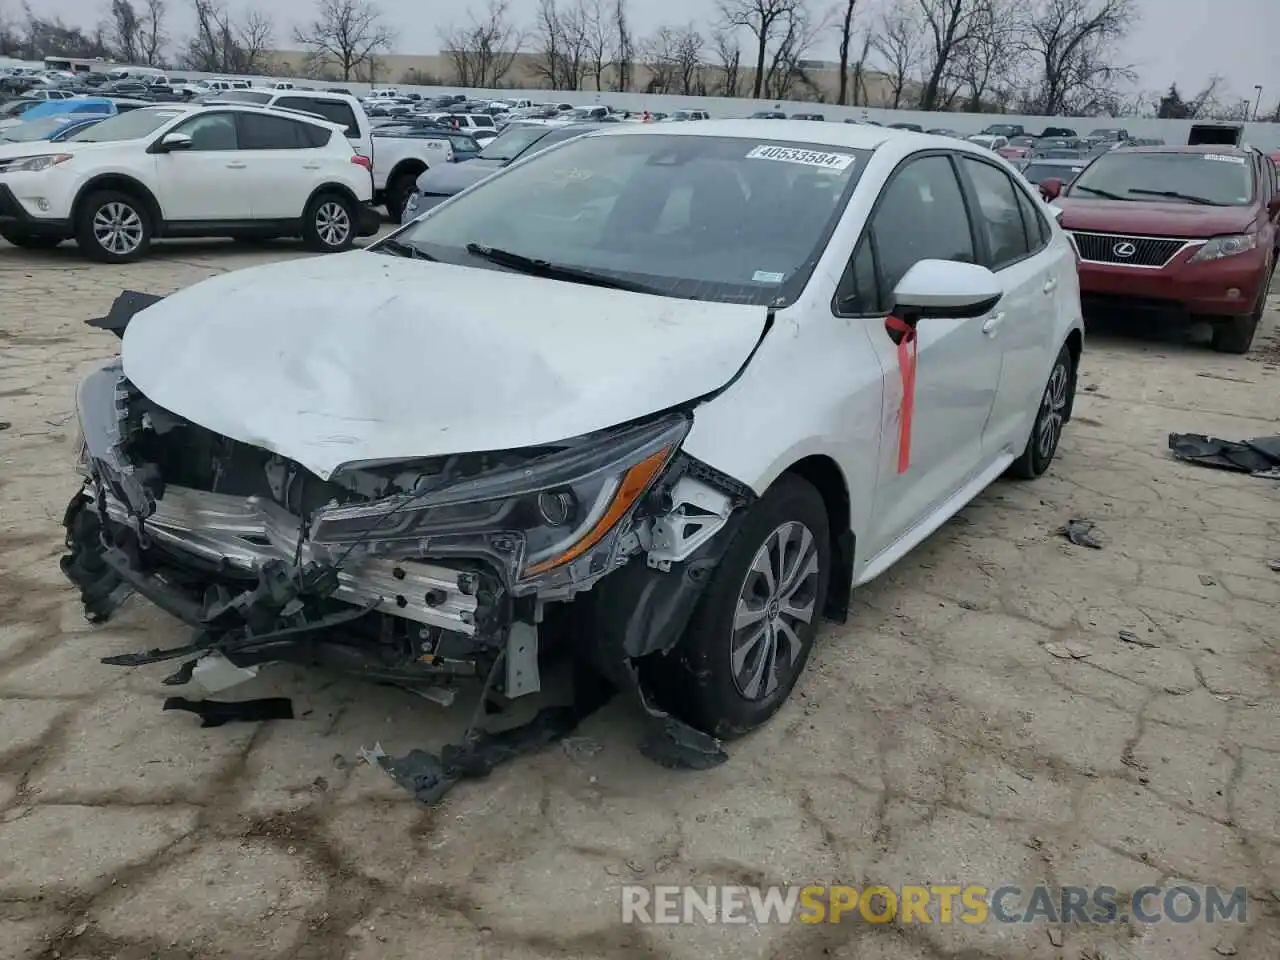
x=335, y=111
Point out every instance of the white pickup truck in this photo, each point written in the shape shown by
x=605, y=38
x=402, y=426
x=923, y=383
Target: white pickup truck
x=403, y=152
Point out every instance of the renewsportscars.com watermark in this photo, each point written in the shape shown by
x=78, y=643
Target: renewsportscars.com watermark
x=941, y=904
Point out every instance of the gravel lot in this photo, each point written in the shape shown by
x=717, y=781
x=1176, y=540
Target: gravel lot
x=935, y=738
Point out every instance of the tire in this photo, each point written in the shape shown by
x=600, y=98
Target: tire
x=113, y=227
x=397, y=194
x=29, y=241
x=323, y=223
x=1055, y=403
x=707, y=691
x=1235, y=334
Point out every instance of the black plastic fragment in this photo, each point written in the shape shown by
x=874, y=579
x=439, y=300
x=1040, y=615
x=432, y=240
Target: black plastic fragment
x=123, y=309
x=1250, y=456
x=214, y=713
x=1080, y=532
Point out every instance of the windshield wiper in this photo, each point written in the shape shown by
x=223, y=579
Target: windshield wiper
x=1175, y=195
x=401, y=249
x=1099, y=193
x=543, y=268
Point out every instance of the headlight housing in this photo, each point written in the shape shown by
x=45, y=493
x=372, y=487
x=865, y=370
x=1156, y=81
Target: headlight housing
x=1229, y=246
x=553, y=520
x=33, y=164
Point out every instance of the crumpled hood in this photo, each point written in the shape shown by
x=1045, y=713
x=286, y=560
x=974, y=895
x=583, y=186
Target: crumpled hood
x=363, y=356
x=449, y=178
x=1153, y=219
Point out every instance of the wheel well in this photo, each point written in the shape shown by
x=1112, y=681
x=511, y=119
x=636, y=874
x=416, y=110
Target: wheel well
x=338, y=188
x=414, y=168
x=828, y=480
x=1075, y=344
x=122, y=184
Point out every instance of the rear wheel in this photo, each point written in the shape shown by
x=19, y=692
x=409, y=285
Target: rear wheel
x=398, y=190
x=1055, y=402
x=329, y=225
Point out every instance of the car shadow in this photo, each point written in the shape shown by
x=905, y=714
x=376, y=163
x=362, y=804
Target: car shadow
x=67, y=252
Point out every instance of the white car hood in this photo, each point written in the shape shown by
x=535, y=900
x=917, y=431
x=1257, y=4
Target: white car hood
x=363, y=356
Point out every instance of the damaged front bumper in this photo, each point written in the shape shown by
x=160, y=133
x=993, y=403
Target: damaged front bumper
x=415, y=573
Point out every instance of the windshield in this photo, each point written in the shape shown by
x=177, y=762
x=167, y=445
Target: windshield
x=126, y=126
x=41, y=129
x=246, y=96
x=511, y=143
x=1000, y=130
x=1223, y=179
x=705, y=218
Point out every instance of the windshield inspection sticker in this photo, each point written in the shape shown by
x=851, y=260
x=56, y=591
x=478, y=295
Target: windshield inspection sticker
x=810, y=158
x=1221, y=158
x=765, y=276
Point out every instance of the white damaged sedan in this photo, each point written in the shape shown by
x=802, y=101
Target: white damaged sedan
x=660, y=396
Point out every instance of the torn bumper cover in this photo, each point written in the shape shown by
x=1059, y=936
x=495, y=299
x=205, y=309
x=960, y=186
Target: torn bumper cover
x=409, y=572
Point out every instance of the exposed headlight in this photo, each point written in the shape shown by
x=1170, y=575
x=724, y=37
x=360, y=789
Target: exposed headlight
x=1220, y=247
x=557, y=517
x=33, y=164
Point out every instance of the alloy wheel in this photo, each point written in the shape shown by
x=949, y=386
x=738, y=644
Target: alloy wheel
x=1052, y=411
x=778, y=599
x=118, y=228
x=333, y=223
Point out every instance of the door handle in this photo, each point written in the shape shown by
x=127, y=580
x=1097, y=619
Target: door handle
x=992, y=323
x=235, y=166
x=1050, y=286
x=311, y=166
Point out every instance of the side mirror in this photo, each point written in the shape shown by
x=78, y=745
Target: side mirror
x=174, y=141
x=946, y=288
x=1056, y=213
x=1051, y=189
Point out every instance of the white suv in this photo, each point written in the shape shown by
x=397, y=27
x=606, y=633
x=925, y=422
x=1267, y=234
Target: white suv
x=183, y=170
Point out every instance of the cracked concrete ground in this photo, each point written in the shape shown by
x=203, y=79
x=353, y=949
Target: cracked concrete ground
x=935, y=738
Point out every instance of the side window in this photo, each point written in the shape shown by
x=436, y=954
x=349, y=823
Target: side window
x=211, y=131
x=263, y=132
x=1037, y=225
x=335, y=111
x=921, y=216
x=859, y=293
x=998, y=215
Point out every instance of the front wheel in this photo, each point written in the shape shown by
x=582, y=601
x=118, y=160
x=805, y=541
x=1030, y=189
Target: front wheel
x=113, y=227
x=753, y=630
x=1235, y=334
x=329, y=224
x=1055, y=403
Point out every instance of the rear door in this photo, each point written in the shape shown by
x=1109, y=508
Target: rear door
x=335, y=111
x=284, y=160
x=1022, y=328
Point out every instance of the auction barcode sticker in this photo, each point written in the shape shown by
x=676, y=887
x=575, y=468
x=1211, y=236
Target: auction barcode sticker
x=810, y=158
x=1224, y=158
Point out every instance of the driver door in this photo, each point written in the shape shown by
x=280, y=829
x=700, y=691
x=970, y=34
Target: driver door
x=921, y=215
x=208, y=181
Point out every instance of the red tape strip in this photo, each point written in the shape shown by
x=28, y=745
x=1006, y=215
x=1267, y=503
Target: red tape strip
x=907, y=353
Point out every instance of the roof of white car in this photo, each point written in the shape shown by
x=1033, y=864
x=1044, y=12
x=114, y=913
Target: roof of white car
x=853, y=136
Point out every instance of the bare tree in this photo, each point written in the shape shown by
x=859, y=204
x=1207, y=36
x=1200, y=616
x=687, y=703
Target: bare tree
x=622, y=47
x=561, y=33
x=675, y=60
x=846, y=44
x=860, y=69
x=1073, y=46
x=728, y=61
x=988, y=62
x=348, y=33
x=123, y=32
x=596, y=28
x=948, y=26
x=767, y=20
x=900, y=42
x=786, y=71
x=659, y=56
x=221, y=45
x=483, y=51
x=43, y=37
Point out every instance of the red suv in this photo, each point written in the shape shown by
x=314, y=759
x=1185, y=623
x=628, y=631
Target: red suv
x=1191, y=231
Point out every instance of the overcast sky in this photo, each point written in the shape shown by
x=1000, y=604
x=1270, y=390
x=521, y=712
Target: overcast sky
x=1177, y=40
